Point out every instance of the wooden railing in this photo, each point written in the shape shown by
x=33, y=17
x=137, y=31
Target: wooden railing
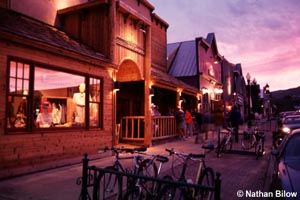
x=132, y=127
x=163, y=127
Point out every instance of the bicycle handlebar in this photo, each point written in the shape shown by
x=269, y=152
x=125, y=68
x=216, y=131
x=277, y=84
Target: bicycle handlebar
x=191, y=155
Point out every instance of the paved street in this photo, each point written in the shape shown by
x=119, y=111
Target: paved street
x=239, y=171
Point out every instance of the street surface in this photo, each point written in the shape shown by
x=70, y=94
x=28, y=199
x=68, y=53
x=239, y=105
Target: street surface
x=240, y=172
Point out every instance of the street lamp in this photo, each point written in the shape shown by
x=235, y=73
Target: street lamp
x=267, y=97
x=248, y=77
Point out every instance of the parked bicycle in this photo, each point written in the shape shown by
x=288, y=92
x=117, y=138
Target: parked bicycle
x=225, y=144
x=254, y=138
x=205, y=175
x=148, y=189
x=108, y=184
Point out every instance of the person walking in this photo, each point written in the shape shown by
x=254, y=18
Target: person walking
x=235, y=119
x=180, y=121
x=189, y=123
x=199, y=121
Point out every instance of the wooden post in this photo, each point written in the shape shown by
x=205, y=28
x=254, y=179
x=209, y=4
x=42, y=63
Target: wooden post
x=112, y=46
x=85, y=163
x=147, y=101
x=218, y=187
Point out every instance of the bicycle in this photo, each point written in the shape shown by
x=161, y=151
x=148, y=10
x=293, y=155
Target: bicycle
x=226, y=143
x=255, y=138
x=148, y=189
x=105, y=184
x=205, y=175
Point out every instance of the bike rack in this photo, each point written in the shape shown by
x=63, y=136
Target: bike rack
x=219, y=143
x=89, y=173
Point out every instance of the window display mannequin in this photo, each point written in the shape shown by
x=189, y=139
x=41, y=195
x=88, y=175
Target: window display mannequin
x=79, y=100
x=44, y=119
x=56, y=114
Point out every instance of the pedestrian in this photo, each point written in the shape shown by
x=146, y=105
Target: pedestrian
x=235, y=119
x=180, y=121
x=199, y=122
x=154, y=113
x=189, y=123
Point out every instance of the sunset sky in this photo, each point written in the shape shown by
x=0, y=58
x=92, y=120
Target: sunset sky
x=262, y=35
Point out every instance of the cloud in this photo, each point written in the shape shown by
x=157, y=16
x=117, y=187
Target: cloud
x=262, y=35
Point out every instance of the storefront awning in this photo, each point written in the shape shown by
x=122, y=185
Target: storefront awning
x=164, y=80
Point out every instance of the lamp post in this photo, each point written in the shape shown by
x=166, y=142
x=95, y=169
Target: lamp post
x=267, y=89
x=248, y=77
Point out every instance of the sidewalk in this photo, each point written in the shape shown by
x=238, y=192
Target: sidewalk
x=239, y=171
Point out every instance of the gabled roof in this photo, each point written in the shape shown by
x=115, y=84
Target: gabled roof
x=19, y=25
x=211, y=42
x=182, y=59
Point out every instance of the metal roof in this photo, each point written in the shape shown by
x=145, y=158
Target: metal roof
x=183, y=59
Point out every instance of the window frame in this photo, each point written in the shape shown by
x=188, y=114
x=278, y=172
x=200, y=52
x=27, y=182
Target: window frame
x=30, y=128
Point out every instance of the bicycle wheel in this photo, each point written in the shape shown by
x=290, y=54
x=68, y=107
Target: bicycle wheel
x=148, y=168
x=106, y=185
x=207, y=178
x=248, y=141
x=165, y=191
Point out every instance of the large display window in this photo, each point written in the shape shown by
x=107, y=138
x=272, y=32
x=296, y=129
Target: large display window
x=40, y=98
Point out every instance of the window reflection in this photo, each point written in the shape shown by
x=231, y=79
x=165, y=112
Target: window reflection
x=58, y=99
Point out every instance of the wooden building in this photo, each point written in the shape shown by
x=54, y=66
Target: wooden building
x=78, y=75
x=198, y=63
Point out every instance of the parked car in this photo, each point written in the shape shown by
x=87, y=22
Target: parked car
x=282, y=115
x=289, y=123
x=286, y=174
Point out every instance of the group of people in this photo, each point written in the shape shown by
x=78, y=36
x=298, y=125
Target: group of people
x=185, y=125
x=184, y=120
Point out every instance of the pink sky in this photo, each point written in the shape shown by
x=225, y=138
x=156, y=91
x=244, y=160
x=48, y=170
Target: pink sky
x=262, y=35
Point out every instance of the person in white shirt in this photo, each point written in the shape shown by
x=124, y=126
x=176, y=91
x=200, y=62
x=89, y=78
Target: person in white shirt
x=44, y=119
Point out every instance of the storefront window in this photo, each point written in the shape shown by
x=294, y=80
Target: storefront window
x=58, y=99
x=95, y=90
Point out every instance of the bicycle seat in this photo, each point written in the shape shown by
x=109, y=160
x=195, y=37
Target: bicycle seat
x=209, y=146
x=162, y=159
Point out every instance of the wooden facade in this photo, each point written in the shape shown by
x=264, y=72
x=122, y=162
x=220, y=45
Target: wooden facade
x=209, y=63
x=96, y=43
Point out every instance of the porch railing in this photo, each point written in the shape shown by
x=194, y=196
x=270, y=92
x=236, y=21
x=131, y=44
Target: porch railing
x=163, y=127
x=132, y=127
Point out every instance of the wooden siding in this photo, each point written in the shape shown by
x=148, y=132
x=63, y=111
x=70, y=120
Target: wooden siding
x=47, y=149
x=159, y=45
x=4, y=4
x=89, y=26
x=130, y=45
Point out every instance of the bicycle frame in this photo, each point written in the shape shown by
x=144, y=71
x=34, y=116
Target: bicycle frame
x=111, y=181
x=226, y=140
x=200, y=171
x=147, y=189
x=255, y=139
